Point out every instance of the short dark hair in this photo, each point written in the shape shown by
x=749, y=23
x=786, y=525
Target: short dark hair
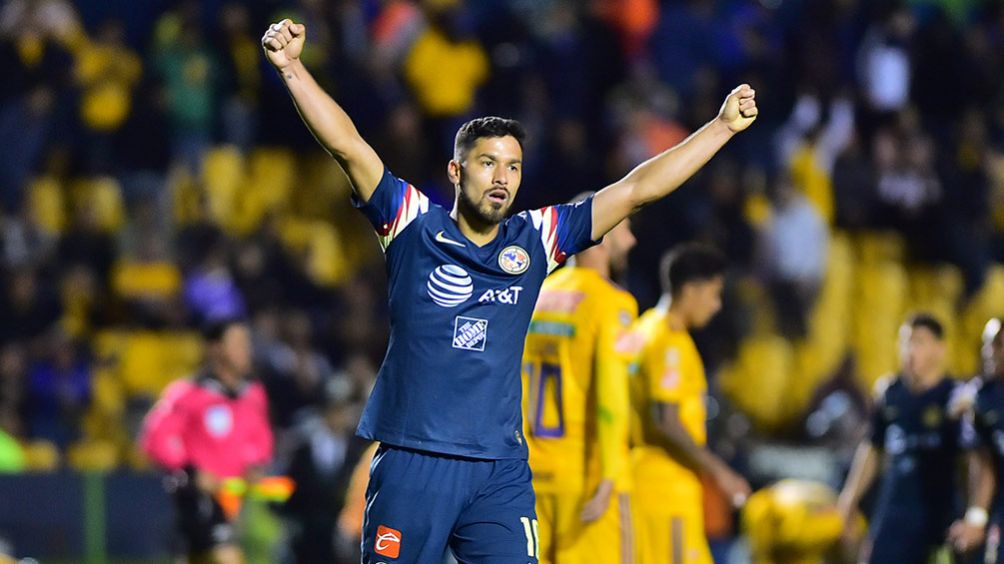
x=490, y=126
x=689, y=262
x=927, y=321
x=213, y=330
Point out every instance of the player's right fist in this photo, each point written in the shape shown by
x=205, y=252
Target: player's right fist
x=283, y=43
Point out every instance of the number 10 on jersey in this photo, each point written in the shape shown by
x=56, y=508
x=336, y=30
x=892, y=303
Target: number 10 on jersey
x=545, y=389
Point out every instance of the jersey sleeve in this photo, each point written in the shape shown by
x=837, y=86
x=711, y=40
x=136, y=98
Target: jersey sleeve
x=161, y=436
x=392, y=207
x=878, y=420
x=564, y=229
x=613, y=404
x=261, y=443
x=666, y=383
x=977, y=431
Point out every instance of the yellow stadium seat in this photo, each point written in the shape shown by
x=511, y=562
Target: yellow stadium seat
x=47, y=205
x=41, y=456
x=93, y=456
x=874, y=247
x=880, y=301
x=101, y=196
x=273, y=172
x=223, y=176
x=757, y=381
x=146, y=280
x=149, y=361
x=986, y=303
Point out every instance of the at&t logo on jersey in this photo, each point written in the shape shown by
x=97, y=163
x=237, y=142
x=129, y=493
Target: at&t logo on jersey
x=514, y=259
x=449, y=286
x=388, y=542
x=470, y=333
x=508, y=296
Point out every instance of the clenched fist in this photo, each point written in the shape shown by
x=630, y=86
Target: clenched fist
x=739, y=109
x=283, y=43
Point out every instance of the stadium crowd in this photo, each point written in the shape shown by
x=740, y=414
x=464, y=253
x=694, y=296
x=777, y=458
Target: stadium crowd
x=145, y=191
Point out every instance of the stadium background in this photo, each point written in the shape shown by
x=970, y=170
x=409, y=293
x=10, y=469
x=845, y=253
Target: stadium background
x=154, y=173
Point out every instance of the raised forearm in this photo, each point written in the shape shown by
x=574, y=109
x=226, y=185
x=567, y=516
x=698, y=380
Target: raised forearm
x=665, y=172
x=330, y=125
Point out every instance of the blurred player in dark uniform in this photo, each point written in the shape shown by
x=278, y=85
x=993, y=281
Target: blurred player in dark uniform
x=983, y=433
x=208, y=428
x=914, y=434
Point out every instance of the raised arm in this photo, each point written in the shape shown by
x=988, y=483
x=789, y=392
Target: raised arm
x=665, y=172
x=330, y=125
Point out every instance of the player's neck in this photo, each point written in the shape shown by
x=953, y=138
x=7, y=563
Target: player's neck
x=921, y=382
x=227, y=377
x=476, y=232
x=593, y=261
x=675, y=318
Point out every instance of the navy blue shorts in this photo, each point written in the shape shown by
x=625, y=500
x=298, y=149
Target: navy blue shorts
x=420, y=503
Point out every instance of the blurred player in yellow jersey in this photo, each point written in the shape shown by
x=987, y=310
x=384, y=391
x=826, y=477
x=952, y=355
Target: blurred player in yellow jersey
x=668, y=393
x=797, y=522
x=577, y=407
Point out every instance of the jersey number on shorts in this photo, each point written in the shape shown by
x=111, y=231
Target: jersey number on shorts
x=548, y=418
x=532, y=537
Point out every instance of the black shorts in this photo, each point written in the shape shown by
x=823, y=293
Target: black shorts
x=200, y=521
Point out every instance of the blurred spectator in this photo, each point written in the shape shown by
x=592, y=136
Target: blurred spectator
x=148, y=284
x=321, y=464
x=13, y=387
x=854, y=195
x=190, y=72
x=241, y=54
x=446, y=65
x=59, y=392
x=107, y=70
x=29, y=308
x=35, y=60
x=444, y=69
x=795, y=241
x=297, y=374
x=683, y=42
x=885, y=64
x=810, y=149
x=210, y=290
x=85, y=242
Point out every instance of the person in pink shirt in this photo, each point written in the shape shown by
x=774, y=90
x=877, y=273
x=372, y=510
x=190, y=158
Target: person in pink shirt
x=205, y=429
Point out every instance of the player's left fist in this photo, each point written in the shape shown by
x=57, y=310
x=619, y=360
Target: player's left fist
x=739, y=109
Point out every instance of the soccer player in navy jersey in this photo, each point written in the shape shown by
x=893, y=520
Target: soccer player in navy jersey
x=452, y=467
x=984, y=439
x=914, y=447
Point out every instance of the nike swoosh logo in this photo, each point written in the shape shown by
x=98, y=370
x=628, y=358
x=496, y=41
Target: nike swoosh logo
x=440, y=238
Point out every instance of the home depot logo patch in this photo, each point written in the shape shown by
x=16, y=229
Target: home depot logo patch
x=388, y=542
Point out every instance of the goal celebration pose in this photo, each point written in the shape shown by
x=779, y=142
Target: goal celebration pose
x=452, y=467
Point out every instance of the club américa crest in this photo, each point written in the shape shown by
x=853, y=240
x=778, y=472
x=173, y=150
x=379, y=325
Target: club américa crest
x=514, y=259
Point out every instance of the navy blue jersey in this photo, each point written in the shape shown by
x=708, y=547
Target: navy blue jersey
x=986, y=428
x=922, y=441
x=450, y=381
